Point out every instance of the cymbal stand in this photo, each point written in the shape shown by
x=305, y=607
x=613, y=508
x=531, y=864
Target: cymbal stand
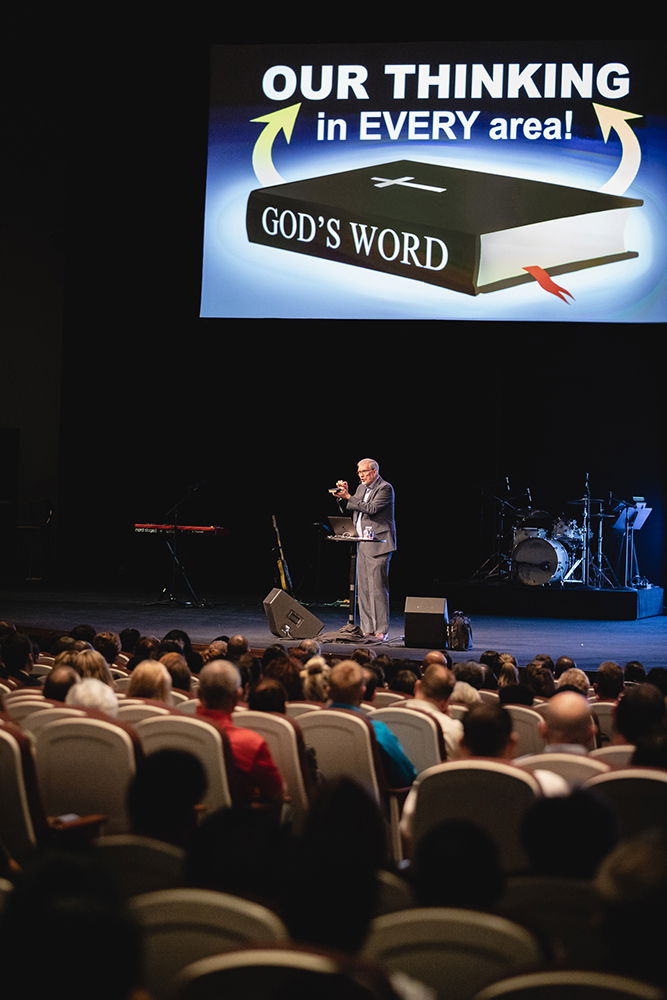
x=586, y=565
x=499, y=564
x=602, y=574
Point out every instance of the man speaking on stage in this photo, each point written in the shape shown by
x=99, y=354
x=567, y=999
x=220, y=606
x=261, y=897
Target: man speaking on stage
x=372, y=508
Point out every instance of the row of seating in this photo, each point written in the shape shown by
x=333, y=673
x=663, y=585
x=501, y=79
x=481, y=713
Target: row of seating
x=84, y=764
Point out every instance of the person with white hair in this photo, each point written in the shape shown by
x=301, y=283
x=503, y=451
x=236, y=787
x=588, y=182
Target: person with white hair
x=91, y=692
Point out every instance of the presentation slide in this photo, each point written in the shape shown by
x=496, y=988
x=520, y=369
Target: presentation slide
x=510, y=181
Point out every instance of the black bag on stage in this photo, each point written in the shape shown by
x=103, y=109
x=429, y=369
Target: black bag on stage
x=459, y=631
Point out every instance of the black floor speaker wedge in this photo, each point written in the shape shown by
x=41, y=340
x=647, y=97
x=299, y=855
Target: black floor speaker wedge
x=426, y=621
x=289, y=619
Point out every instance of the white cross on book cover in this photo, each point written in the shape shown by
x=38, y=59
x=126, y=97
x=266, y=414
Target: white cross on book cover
x=465, y=230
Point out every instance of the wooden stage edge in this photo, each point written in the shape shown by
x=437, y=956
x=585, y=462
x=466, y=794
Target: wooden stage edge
x=45, y=612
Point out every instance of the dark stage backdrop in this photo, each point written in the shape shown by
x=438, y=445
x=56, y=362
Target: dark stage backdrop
x=236, y=420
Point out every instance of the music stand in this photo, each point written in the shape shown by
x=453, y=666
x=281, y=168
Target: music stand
x=631, y=519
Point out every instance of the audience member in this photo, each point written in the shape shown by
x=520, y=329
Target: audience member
x=432, y=694
x=639, y=710
x=191, y=655
x=542, y=684
x=84, y=632
x=457, y=864
x=241, y=852
x=219, y=692
x=129, y=637
x=108, y=644
x=90, y=663
x=287, y=670
x=508, y=675
x=567, y=724
x=546, y=834
x=163, y=795
x=562, y=664
x=347, y=689
x=632, y=884
x=179, y=671
x=573, y=680
x=437, y=656
x=651, y=749
x=309, y=648
x=268, y=695
x=464, y=694
x=59, y=681
x=216, y=650
x=150, y=679
x=334, y=865
x=608, y=681
x=471, y=672
x=634, y=672
x=404, y=682
x=515, y=694
x=91, y=692
x=18, y=658
x=88, y=944
x=146, y=648
x=658, y=677
x=315, y=679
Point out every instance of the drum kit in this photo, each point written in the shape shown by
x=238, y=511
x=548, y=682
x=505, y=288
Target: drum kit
x=538, y=548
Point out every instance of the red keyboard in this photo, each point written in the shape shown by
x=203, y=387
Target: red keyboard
x=162, y=529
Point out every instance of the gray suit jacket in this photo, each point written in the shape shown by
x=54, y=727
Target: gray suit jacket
x=377, y=513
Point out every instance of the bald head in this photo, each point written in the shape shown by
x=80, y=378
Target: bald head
x=434, y=656
x=436, y=684
x=568, y=719
x=219, y=684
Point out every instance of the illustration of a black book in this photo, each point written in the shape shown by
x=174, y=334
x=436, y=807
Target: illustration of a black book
x=462, y=229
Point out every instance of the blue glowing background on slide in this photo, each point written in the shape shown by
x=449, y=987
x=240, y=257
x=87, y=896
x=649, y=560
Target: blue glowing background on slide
x=243, y=279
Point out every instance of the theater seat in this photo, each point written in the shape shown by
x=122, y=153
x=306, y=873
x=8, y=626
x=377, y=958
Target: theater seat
x=24, y=826
x=85, y=765
x=569, y=985
x=181, y=926
x=285, y=741
x=454, y=951
x=268, y=973
x=207, y=743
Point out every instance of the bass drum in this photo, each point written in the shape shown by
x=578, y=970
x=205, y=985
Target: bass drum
x=537, y=561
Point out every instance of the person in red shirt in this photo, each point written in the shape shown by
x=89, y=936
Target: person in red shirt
x=259, y=780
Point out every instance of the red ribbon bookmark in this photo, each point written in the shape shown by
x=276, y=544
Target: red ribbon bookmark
x=546, y=282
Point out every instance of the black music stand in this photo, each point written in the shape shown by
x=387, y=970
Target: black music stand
x=631, y=519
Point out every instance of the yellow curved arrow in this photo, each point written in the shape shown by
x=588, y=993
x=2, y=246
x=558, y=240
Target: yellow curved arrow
x=275, y=122
x=631, y=154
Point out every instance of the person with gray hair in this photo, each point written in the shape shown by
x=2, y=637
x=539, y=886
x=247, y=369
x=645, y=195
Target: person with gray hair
x=259, y=781
x=372, y=509
x=91, y=692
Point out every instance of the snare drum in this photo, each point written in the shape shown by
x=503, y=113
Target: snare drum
x=536, y=561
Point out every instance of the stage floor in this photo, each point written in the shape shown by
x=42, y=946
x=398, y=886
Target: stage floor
x=588, y=642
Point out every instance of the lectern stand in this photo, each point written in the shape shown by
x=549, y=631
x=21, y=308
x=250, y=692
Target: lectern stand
x=351, y=631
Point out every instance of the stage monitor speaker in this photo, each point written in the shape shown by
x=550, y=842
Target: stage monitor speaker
x=289, y=619
x=426, y=622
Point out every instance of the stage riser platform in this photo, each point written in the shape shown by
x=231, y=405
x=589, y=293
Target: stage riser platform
x=622, y=604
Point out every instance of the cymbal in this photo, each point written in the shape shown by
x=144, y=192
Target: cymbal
x=587, y=500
